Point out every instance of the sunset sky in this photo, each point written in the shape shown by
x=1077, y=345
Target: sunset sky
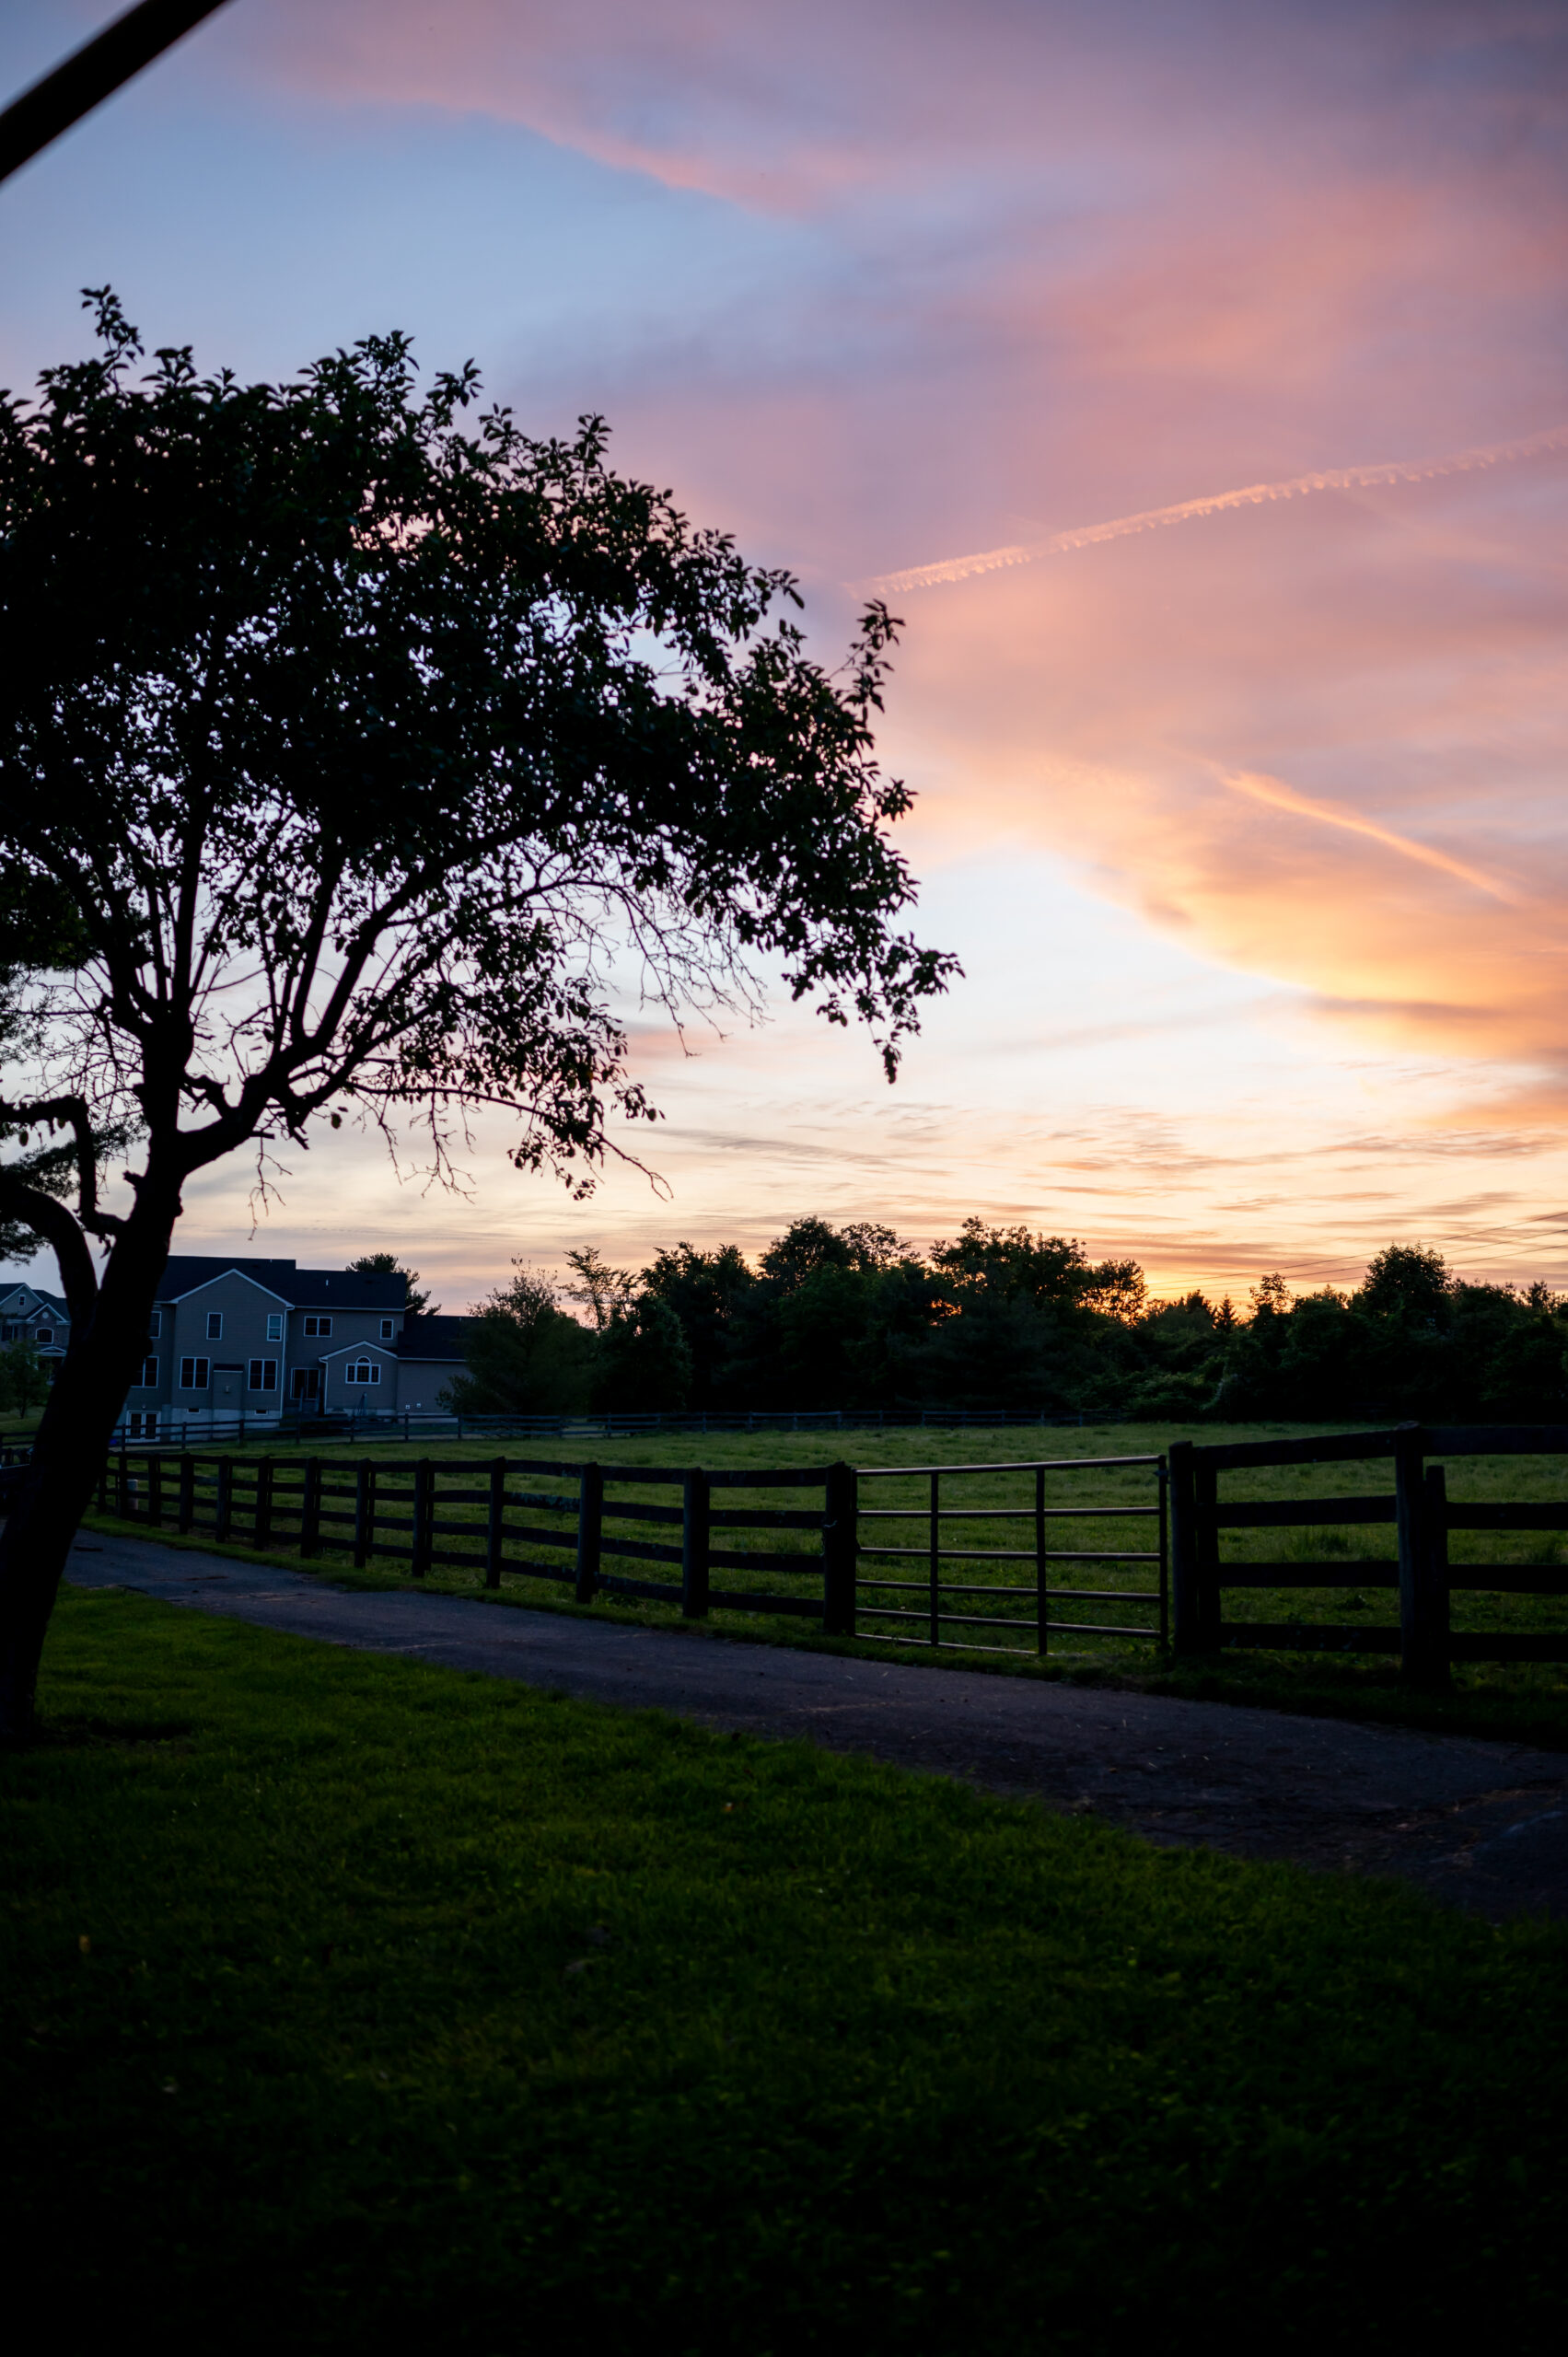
x=1248, y=827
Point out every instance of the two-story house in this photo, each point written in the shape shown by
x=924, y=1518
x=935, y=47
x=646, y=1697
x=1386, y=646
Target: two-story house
x=232, y=1337
x=260, y=1339
x=27, y=1314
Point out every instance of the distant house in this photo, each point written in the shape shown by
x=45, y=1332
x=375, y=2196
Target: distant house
x=30, y=1315
x=259, y=1337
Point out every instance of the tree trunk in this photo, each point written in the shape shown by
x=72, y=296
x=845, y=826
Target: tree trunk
x=82, y=1411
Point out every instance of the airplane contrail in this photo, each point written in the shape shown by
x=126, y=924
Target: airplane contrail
x=1152, y=519
x=1277, y=795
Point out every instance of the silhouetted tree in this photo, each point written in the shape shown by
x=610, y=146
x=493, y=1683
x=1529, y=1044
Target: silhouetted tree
x=601, y=1289
x=524, y=1357
x=1407, y=1282
x=643, y=1364
x=706, y=1292
x=358, y=739
x=387, y=1265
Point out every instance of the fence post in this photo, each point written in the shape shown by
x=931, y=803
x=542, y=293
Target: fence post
x=1420, y=1654
x=694, y=1546
x=1163, y=1480
x=496, y=1526
x=590, y=1527
x=122, y=1485
x=225, y=1497
x=1187, y=1634
x=1042, y=1569
x=187, y=1492
x=155, y=1491
x=311, y=1509
x=262, y=1526
x=1437, y=1566
x=841, y=1550
x=364, y=1513
x=424, y=1512
x=1206, y=1533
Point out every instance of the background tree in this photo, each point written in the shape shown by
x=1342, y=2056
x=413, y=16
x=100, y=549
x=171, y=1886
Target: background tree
x=642, y=1362
x=23, y=1382
x=601, y=1289
x=387, y=1265
x=1271, y=1296
x=707, y=1293
x=525, y=1356
x=360, y=737
x=1408, y=1282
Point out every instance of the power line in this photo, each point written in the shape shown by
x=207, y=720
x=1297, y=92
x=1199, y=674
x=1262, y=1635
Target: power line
x=92, y=74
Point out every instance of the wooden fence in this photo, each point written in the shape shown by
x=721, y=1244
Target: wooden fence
x=959, y=1577
x=422, y=1515
x=1423, y=1515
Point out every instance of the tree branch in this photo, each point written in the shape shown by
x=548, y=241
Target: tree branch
x=54, y=1222
x=56, y=1110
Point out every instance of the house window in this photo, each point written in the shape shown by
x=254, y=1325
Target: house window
x=306, y=1383
x=274, y=1326
x=362, y=1371
x=149, y=1374
x=143, y=1423
x=215, y=1325
x=263, y=1375
x=386, y=1329
x=154, y=1326
x=195, y=1374
x=315, y=1327
x=45, y=1334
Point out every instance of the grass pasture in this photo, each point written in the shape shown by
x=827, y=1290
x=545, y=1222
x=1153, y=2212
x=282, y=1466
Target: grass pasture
x=1528, y=1701
x=350, y=2004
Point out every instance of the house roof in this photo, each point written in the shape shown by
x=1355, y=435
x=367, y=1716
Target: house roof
x=50, y=1301
x=433, y=1338
x=301, y=1288
x=249, y=1275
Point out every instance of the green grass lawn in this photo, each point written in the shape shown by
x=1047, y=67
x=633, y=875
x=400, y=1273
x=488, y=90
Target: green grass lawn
x=350, y=2004
x=1525, y=1701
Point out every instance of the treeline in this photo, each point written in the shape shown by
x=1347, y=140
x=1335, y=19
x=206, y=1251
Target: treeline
x=1003, y=1319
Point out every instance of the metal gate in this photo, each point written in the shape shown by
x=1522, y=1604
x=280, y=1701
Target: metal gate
x=1025, y=1589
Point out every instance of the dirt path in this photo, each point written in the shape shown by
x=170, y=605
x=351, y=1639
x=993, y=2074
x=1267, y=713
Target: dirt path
x=1483, y=1825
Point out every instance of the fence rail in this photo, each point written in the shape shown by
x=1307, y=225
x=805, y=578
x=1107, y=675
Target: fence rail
x=153, y=1428
x=1027, y=1605
x=1422, y=1573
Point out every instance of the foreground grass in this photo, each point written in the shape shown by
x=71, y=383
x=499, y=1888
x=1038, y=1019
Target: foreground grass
x=349, y=2002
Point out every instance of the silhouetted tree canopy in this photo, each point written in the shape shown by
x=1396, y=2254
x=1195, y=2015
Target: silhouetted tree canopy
x=352, y=737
